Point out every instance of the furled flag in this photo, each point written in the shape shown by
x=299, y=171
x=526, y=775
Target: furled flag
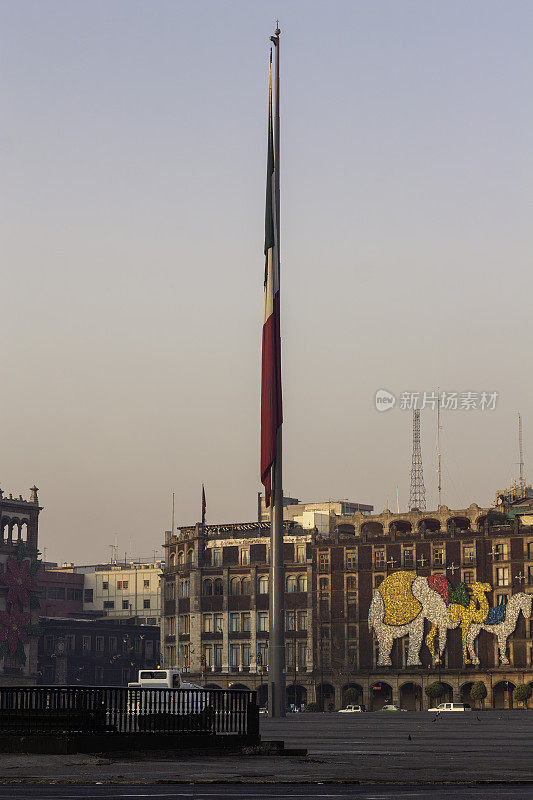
x=204, y=505
x=271, y=408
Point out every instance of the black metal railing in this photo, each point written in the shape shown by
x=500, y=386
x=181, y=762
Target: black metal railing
x=113, y=710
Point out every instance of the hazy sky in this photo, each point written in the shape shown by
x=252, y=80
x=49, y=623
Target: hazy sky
x=133, y=152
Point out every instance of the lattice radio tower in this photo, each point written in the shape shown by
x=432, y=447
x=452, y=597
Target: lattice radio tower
x=417, y=497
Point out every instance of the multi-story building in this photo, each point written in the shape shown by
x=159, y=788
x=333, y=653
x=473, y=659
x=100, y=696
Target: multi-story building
x=131, y=590
x=215, y=607
x=61, y=593
x=315, y=514
x=19, y=594
x=100, y=652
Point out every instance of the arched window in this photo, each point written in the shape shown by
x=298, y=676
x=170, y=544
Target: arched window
x=219, y=586
x=172, y=560
x=246, y=586
x=351, y=583
x=262, y=584
x=302, y=583
x=180, y=558
x=190, y=554
x=291, y=584
x=235, y=586
x=207, y=587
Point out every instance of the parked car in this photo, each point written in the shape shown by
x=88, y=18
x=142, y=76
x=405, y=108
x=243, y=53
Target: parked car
x=263, y=710
x=351, y=709
x=452, y=707
x=391, y=707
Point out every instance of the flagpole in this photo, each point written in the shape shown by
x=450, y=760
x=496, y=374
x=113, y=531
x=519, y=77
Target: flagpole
x=276, y=661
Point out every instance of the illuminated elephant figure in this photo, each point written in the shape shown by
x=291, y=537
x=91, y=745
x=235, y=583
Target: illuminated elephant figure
x=399, y=607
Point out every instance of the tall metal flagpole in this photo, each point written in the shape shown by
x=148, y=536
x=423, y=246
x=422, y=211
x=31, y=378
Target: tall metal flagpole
x=276, y=647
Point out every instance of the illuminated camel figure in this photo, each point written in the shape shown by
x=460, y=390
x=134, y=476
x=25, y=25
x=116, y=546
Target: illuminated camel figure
x=399, y=607
x=501, y=621
x=468, y=615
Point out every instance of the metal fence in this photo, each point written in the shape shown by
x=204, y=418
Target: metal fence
x=113, y=710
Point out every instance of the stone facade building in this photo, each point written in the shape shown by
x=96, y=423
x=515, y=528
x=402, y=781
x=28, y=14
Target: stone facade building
x=19, y=593
x=215, y=605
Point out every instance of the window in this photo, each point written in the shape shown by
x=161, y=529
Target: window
x=291, y=584
x=351, y=584
x=119, y=584
x=377, y=580
x=244, y=556
x=468, y=554
x=99, y=646
x=190, y=556
x=408, y=557
x=98, y=675
x=302, y=620
x=290, y=620
x=262, y=619
x=234, y=622
x=500, y=552
x=379, y=559
x=302, y=583
x=148, y=649
x=109, y=604
x=267, y=555
x=530, y=575
x=262, y=656
x=207, y=587
x=217, y=557
x=124, y=584
x=180, y=558
x=351, y=560
x=88, y=596
x=262, y=585
x=217, y=622
x=105, y=584
x=502, y=576
x=207, y=655
x=70, y=641
x=246, y=586
x=323, y=585
x=185, y=588
x=468, y=577
x=48, y=643
x=246, y=655
x=235, y=586
x=301, y=654
x=529, y=551
x=146, y=584
x=234, y=655
x=323, y=562
x=56, y=593
x=112, y=644
x=75, y=594
x=219, y=586
x=184, y=625
x=217, y=653
x=438, y=556
x=125, y=605
x=86, y=643
x=300, y=554
x=172, y=560
x=207, y=623
x=146, y=602
x=245, y=621
x=170, y=590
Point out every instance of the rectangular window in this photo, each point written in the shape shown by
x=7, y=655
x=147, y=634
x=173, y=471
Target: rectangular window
x=500, y=552
x=112, y=644
x=246, y=655
x=119, y=584
x=301, y=654
x=109, y=604
x=217, y=622
x=124, y=584
x=468, y=577
x=105, y=585
x=530, y=575
x=323, y=562
x=234, y=623
x=148, y=649
x=70, y=640
x=351, y=560
x=98, y=675
x=207, y=623
x=146, y=602
x=146, y=584
x=207, y=655
x=88, y=596
x=234, y=655
x=408, y=557
x=184, y=625
x=300, y=554
x=267, y=555
x=529, y=551
x=302, y=620
x=217, y=556
x=502, y=576
x=262, y=656
x=55, y=593
x=244, y=556
x=262, y=619
x=438, y=556
x=86, y=643
x=290, y=620
x=217, y=656
x=468, y=554
x=245, y=621
x=125, y=605
x=99, y=647
x=379, y=559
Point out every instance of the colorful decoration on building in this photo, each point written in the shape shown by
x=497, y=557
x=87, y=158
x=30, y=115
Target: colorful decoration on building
x=501, y=624
x=404, y=600
x=15, y=622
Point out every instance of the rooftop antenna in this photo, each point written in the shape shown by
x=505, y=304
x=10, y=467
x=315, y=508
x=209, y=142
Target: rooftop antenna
x=439, y=470
x=172, y=522
x=522, y=481
x=417, y=497
x=114, y=551
x=397, y=499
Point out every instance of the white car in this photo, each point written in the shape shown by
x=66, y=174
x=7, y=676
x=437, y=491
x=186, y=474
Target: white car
x=351, y=710
x=391, y=707
x=452, y=707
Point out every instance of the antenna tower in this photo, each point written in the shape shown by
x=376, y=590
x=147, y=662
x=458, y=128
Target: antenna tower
x=522, y=482
x=417, y=497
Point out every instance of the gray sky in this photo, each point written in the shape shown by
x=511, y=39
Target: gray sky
x=133, y=163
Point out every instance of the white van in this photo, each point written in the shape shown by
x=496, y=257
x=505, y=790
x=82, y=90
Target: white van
x=452, y=707
x=161, y=704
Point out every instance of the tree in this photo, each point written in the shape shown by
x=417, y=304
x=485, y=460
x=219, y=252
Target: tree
x=522, y=693
x=351, y=696
x=435, y=690
x=478, y=692
x=312, y=707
